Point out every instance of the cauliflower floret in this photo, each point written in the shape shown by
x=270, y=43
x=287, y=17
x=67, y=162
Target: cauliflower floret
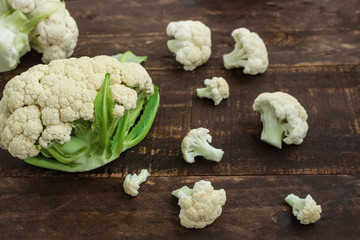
x=133, y=75
x=192, y=43
x=305, y=210
x=23, y=126
x=55, y=36
x=281, y=114
x=118, y=111
x=132, y=182
x=59, y=133
x=216, y=89
x=26, y=6
x=22, y=147
x=200, y=206
x=60, y=93
x=249, y=52
x=197, y=143
x=125, y=96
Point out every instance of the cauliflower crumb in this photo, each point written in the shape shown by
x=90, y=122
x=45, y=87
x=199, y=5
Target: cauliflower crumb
x=132, y=182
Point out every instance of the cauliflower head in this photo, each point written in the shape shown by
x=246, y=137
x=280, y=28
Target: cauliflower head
x=132, y=182
x=249, y=52
x=15, y=28
x=281, y=115
x=192, y=43
x=200, y=206
x=51, y=30
x=216, y=89
x=197, y=143
x=305, y=210
x=45, y=105
x=55, y=36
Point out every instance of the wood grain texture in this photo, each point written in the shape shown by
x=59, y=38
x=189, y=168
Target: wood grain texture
x=295, y=32
x=97, y=208
x=314, y=54
x=331, y=95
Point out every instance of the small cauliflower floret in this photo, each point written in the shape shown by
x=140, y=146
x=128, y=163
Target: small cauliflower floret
x=249, y=52
x=304, y=209
x=55, y=36
x=200, y=206
x=26, y=6
x=197, y=143
x=192, y=43
x=132, y=182
x=216, y=89
x=281, y=115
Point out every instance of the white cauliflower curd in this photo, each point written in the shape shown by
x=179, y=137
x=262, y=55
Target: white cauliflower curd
x=132, y=182
x=304, y=209
x=39, y=106
x=192, y=43
x=55, y=36
x=216, y=89
x=200, y=206
x=26, y=6
x=45, y=25
x=197, y=143
x=283, y=118
x=249, y=52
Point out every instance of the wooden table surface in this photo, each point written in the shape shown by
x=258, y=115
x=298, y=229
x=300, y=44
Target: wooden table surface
x=314, y=54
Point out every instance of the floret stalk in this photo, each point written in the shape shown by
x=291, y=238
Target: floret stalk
x=4, y=7
x=185, y=189
x=203, y=148
x=171, y=44
x=295, y=202
x=273, y=132
x=203, y=92
x=236, y=58
x=292, y=199
x=142, y=176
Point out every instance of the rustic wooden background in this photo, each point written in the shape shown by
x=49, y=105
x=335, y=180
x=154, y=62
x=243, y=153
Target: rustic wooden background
x=314, y=54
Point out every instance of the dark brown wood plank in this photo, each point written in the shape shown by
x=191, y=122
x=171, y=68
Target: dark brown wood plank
x=305, y=32
x=295, y=32
x=97, y=208
x=330, y=94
